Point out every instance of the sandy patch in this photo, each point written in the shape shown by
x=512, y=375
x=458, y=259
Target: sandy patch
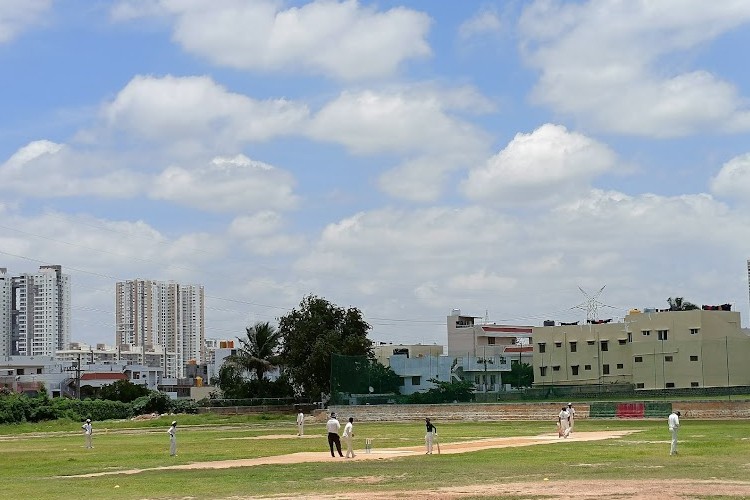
x=382, y=454
x=274, y=436
x=579, y=489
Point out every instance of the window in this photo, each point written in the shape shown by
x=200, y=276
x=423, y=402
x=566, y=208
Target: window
x=695, y=331
x=556, y=368
x=668, y=359
x=492, y=379
x=605, y=345
x=543, y=371
x=620, y=366
x=694, y=384
x=605, y=369
x=590, y=342
x=416, y=380
x=476, y=379
x=558, y=344
x=693, y=358
x=574, y=369
x=662, y=334
x=621, y=341
x=490, y=340
x=542, y=347
x=646, y=333
x=638, y=359
x=573, y=347
x=640, y=385
x=587, y=367
x=669, y=385
x=630, y=336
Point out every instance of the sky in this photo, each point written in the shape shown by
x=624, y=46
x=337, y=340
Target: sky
x=506, y=158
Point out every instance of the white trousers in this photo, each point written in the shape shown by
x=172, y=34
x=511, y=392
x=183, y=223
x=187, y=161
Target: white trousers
x=172, y=445
x=88, y=441
x=349, y=450
x=428, y=441
x=300, y=429
x=673, y=449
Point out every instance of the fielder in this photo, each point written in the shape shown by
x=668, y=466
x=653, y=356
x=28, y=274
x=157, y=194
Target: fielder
x=572, y=415
x=300, y=423
x=87, y=431
x=563, y=421
x=172, y=439
x=674, y=426
x=348, y=436
x=430, y=434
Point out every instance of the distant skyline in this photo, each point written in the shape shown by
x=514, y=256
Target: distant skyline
x=405, y=158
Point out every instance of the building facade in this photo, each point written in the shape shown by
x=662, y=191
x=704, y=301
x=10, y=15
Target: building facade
x=6, y=301
x=650, y=350
x=35, y=315
x=384, y=351
x=164, y=314
x=483, y=350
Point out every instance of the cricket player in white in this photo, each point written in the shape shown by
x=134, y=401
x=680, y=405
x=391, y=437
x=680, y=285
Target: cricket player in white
x=172, y=439
x=674, y=426
x=571, y=416
x=348, y=436
x=300, y=423
x=87, y=430
x=563, y=419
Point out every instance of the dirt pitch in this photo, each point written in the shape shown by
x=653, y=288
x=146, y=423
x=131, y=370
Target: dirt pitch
x=541, y=488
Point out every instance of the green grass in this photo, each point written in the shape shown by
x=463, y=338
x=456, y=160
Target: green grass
x=34, y=456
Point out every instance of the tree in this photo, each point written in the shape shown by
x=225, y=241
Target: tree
x=445, y=392
x=123, y=390
x=258, y=353
x=311, y=333
x=521, y=375
x=678, y=304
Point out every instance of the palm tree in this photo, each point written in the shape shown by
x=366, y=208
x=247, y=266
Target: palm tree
x=258, y=353
x=678, y=304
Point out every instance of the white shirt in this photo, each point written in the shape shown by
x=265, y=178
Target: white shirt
x=564, y=416
x=348, y=429
x=571, y=411
x=333, y=425
x=86, y=428
x=674, y=421
x=300, y=418
x=172, y=431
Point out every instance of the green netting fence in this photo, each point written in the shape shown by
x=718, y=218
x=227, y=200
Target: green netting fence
x=361, y=378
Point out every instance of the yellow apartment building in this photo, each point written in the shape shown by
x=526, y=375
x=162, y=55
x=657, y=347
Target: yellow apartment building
x=651, y=350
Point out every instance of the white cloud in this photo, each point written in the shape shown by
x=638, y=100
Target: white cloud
x=369, y=122
x=420, y=122
x=548, y=164
x=603, y=61
x=17, y=16
x=47, y=169
x=733, y=180
x=195, y=114
x=484, y=22
x=236, y=184
x=321, y=37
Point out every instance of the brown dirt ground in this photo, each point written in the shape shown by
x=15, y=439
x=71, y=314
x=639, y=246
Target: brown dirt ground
x=578, y=489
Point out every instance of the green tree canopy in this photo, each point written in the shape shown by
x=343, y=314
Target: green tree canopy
x=311, y=333
x=679, y=304
x=123, y=390
x=259, y=350
x=521, y=375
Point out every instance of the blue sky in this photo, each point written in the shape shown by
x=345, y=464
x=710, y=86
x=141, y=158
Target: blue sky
x=404, y=158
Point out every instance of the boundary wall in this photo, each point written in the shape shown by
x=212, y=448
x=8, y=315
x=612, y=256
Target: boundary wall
x=539, y=411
